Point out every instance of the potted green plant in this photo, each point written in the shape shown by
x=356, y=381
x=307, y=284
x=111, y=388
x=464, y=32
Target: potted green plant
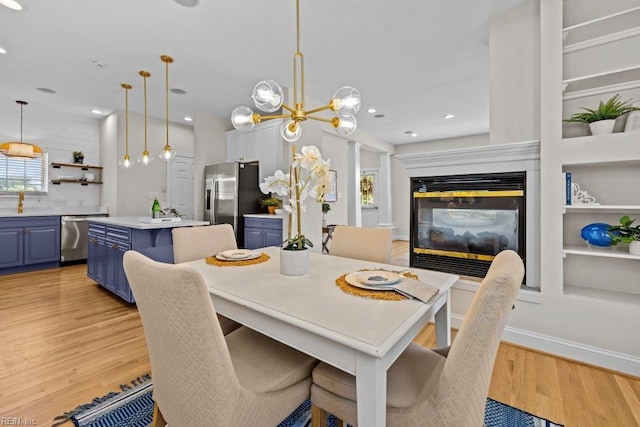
x=602, y=119
x=326, y=207
x=78, y=157
x=271, y=203
x=626, y=232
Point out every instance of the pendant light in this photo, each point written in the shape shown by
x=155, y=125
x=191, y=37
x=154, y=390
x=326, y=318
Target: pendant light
x=145, y=158
x=268, y=96
x=167, y=154
x=20, y=149
x=125, y=162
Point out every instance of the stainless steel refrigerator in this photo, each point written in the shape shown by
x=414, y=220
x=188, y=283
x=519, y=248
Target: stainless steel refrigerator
x=231, y=190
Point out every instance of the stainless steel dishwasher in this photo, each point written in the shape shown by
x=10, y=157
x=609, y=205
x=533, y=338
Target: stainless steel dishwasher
x=74, y=233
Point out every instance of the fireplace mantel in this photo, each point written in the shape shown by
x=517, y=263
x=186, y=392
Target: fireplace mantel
x=488, y=158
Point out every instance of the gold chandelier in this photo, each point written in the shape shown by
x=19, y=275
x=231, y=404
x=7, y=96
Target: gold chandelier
x=20, y=149
x=268, y=96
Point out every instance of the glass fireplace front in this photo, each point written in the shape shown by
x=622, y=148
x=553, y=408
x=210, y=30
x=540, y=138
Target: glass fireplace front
x=460, y=223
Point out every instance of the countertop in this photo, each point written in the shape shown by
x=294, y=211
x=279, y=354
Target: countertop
x=29, y=211
x=134, y=222
x=262, y=216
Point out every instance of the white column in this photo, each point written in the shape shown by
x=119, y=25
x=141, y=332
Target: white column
x=384, y=192
x=354, y=214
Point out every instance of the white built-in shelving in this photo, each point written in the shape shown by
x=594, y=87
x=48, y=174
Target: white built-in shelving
x=609, y=252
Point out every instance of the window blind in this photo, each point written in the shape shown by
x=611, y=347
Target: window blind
x=28, y=175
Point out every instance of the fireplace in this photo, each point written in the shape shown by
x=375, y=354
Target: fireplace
x=459, y=223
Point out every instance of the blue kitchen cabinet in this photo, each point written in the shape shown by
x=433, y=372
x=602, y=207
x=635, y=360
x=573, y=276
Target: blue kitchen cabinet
x=260, y=232
x=96, y=252
x=29, y=243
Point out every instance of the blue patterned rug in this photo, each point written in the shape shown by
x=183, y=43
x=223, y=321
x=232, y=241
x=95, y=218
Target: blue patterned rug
x=133, y=407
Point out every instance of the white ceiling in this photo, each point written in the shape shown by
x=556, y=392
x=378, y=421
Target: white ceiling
x=415, y=61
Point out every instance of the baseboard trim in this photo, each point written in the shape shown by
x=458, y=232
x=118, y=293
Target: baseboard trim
x=571, y=350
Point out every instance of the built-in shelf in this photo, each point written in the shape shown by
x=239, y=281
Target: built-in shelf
x=610, y=252
x=602, y=294
x=587, y=208
x=614, y=147
x=74, y=165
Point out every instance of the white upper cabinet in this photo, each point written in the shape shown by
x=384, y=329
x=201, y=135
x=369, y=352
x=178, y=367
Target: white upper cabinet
x=263, y=144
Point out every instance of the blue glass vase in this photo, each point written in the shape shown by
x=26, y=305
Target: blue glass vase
x=596, y=234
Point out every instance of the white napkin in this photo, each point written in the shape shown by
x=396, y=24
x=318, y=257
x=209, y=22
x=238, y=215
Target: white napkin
x=417, y=289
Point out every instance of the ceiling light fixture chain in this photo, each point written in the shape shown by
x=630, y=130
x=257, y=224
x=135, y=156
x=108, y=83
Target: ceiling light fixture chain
x=167, y=154
x=144, y=157
x=268, y=96
x=125, y=162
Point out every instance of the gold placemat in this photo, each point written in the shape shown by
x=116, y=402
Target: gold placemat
x=386, y=295
x=215, y=261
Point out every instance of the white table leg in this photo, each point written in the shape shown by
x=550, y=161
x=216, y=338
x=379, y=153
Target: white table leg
x=443, y=323
x=371, y=389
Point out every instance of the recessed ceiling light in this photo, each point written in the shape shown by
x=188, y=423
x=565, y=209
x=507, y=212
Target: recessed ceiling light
x=96, y=111
x=187, y=3
x=413, y=135
x=178, y=91
x=371, y=110
x=379, y=116
x=3, y=50
x=188, y=119
x=100, y=64
x=45, y=90
x=449, y=116
x=11, y=4
x=408, y=132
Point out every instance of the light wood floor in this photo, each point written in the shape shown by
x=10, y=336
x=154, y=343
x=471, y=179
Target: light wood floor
x=64, y=341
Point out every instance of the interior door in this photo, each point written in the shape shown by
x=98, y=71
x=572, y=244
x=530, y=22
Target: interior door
x=369, y=197
x=181, y=185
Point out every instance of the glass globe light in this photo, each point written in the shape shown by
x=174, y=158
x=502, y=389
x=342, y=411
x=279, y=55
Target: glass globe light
x=347, y=125
x=126, y=162
x=145, y=158
x=290, y=131
x=346, y=101
x=268, y=96
x=242, y=119
x=167, y=153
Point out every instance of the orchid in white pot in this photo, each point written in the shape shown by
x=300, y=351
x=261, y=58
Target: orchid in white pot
x=308, y=177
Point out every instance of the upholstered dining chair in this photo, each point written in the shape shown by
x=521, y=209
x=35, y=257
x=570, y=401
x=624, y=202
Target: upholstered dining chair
x=425, y=387
x=202, y=378
x=192, y=243
x=367, y=244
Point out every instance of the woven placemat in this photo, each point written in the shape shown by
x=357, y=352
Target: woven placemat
x=215, y=261
x=386, y=295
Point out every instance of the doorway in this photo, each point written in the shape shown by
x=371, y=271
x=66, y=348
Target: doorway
x=181, y=184
x=369, y=197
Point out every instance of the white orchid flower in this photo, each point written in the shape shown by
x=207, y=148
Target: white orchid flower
x=277, y=183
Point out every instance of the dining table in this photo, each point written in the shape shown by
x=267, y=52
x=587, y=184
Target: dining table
x=359, y=335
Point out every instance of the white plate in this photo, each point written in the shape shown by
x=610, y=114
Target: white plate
x=353, y=279
x=237, y=255
x=377, y=277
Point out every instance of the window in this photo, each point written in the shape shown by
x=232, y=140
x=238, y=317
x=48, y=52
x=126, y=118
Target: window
x=28, y=175
x=367, y=183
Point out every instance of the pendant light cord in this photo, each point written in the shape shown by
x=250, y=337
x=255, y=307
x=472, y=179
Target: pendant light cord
x=21, y=108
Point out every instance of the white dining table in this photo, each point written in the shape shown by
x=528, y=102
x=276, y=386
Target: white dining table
x=359, y=335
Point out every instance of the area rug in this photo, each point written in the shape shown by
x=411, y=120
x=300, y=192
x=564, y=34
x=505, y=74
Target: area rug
x=133, y=407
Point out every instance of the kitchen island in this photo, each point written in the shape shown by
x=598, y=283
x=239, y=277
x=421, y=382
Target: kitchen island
x=110, y=238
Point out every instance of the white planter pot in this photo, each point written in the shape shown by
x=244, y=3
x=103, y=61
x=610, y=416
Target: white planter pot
x=602, y=127
x=634, y=247
x=294, y=263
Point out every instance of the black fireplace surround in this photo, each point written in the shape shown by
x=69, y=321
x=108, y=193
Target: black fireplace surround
x=459, y=223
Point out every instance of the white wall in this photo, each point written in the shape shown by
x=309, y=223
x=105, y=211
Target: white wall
x=335, y=148
x=58, y=134
x=514, y=75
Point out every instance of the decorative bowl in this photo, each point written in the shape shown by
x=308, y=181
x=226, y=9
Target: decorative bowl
x=596, y=234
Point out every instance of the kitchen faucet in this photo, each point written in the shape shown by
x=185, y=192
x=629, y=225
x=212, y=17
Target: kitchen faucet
x=20, y=200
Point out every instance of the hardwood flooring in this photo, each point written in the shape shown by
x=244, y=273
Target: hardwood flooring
x=64, y=340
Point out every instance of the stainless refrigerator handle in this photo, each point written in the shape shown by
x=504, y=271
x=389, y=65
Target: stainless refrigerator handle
x=214, y=208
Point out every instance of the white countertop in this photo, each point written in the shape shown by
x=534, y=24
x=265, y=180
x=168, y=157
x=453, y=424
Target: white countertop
x=262, y=216
x=29, y=211
x=134, y=222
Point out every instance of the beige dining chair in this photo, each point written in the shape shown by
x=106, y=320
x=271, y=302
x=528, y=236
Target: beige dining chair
x=202, y=378
x=192, y=243
x=367, y=244
x=425, y=387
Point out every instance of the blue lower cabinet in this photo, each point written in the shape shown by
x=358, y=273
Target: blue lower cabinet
x=29, y=243
x=107, y=245
x=260, y=232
